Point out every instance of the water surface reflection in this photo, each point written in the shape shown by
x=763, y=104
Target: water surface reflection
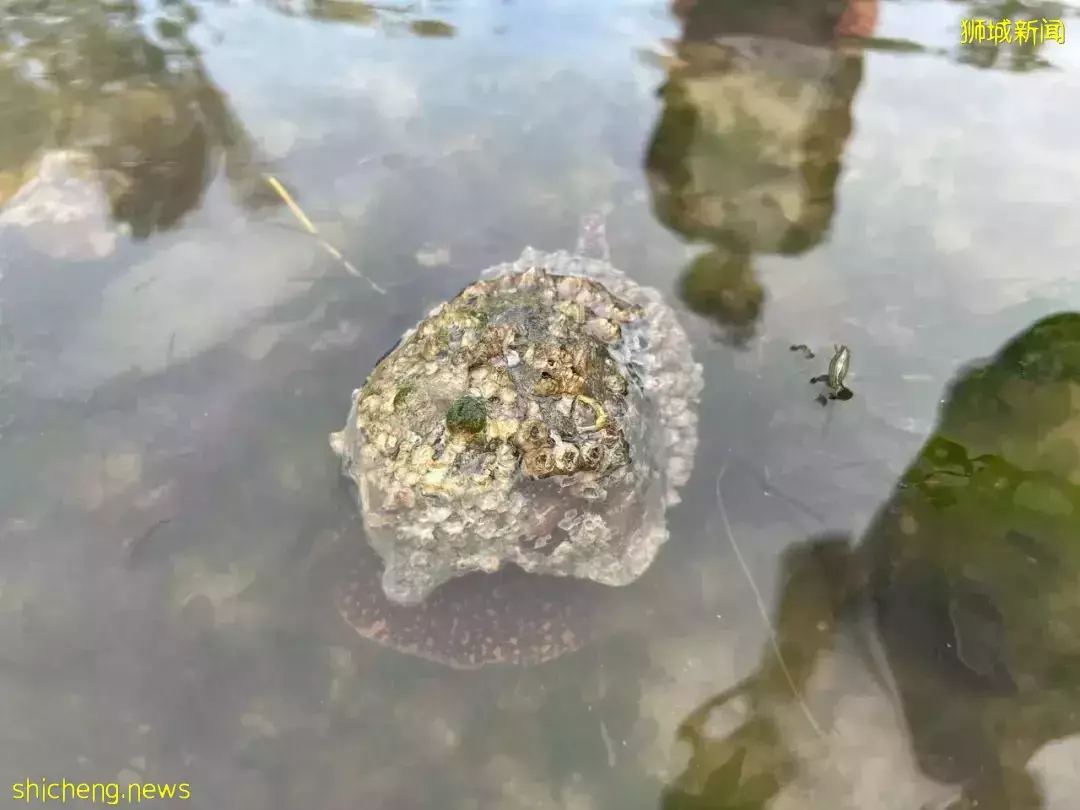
x=956, y=599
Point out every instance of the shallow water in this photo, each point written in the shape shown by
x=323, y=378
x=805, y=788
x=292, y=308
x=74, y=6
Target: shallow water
x=171, y=365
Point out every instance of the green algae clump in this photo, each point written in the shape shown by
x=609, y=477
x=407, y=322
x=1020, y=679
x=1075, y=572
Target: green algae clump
x=467, y=415
x=402, y=394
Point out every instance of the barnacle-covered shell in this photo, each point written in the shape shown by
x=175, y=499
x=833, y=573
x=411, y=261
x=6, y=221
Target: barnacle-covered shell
x=545, y=416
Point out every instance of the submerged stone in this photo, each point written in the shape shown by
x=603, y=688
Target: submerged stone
x=545, y=417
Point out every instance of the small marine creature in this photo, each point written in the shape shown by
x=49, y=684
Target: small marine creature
x=838, y=369
x=802, y=347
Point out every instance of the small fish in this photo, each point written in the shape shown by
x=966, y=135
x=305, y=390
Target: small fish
x=802, y=347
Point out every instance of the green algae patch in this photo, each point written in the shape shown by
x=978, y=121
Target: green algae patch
x=467, y=415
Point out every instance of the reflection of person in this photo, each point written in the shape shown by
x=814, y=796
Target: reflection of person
x=859, y=19
x=161, y=144
x=746, y=155
x=968, y=574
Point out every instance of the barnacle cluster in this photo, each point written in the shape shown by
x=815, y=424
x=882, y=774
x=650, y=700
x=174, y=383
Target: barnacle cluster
x=511, y=374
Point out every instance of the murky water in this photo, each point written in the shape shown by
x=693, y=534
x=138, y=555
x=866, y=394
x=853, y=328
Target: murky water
x=175, y=348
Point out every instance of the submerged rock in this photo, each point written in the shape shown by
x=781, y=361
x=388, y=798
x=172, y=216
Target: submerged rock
x=545, y=417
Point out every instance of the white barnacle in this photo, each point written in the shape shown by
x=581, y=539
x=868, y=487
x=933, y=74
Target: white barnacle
x=505, y=462
x=440, y=514
x=422, y=456
x=531, y=277
x=399, y=497
x=387, y=444
x=541, y=540
x=490, y=388
x=569, y=286
x=517, y=502
x=569, y=520
x=420, y=559
x=593, y=492
x=566, y=457
x=592, y=528
x=572, y=311
x=435, y=476
x=502, y=428
x=603, y=329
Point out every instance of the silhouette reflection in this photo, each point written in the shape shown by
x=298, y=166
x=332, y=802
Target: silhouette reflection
x=89, y=81
x=961, y=595
x=1013, y=36
x=748, y=149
